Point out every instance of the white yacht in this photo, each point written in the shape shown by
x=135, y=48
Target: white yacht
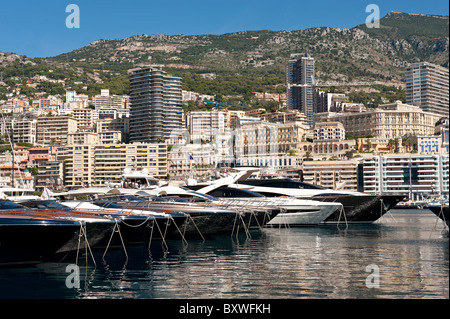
x=293, y=212
x=357, y=207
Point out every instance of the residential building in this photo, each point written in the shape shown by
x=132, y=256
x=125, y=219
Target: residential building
x=410, y=174
x=24, y=130
x=338, y=175
x=82, y=138
x=117, y=124
x=330, y=102
x=262, y=139
x=78, y=165
x=205, y=125
x=326, y=148
x=49, y=176
x=100, y=164
x=328, y=131
x=107, y=101
x=84, y=117
x=231, y=118
x=301, y=85
x=191, y=161
x=74, y=99
x=54, y=129
x=387, y=121
x=280, y=117
x=156, y=100
x=428, y=144
x=37, y=155
x=427, y=87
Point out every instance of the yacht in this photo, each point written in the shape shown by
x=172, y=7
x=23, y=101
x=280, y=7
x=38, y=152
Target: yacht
x=204, y=219
x=16, y=194
x=357, y=207
x=31, y=239
x=293, y=211
x=136, y=225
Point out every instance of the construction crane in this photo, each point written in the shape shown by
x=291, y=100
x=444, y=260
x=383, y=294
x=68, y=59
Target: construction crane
x=218, y=103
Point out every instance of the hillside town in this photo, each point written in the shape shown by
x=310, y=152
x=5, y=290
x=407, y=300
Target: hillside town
x=71, y=140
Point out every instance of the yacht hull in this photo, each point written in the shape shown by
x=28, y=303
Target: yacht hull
x=440, y=210
x=361, y=208
x=25, y=241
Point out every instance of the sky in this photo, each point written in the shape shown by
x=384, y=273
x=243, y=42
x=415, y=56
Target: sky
x=38, y=28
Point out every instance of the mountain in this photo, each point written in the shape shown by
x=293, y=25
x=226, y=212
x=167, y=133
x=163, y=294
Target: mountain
x=242, y=62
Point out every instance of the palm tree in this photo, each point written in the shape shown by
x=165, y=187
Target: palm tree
x=408, y=141
x=391, y=143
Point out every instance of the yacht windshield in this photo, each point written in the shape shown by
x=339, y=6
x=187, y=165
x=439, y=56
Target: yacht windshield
x=44, y=204
x=107, y=204
x=11, y=205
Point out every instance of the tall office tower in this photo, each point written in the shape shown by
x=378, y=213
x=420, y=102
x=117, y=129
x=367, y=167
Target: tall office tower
x=301, y=85
x=155, y=110
x=427, y=87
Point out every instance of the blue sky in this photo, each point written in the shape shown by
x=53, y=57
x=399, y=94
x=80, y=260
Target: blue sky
x=38, y=28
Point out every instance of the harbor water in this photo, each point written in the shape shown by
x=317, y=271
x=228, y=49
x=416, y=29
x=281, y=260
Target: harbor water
x=404, y=255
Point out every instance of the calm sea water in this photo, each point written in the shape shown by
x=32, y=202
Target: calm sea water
x=408, y=249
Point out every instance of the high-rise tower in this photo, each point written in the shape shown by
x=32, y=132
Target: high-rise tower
x=427, y=87
x=301, y=85
x=155, y=109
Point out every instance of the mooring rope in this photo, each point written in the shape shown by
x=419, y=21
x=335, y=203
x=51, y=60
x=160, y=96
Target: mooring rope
x=83, y=233
x=245, y=228
x=164, y=244
x=121, y=239
x=182, y=235
x=195, y=225
x=136, y=226
x=345, y=217
x=234, y=224
x=385, y=208
x=441, y=212
x=151, y=234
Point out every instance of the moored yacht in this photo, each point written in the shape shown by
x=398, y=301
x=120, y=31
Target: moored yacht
x=358, y=207
x=26, y=239
x=136, y=225
x=294, y=212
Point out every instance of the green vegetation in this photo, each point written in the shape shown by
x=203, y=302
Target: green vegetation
x=244, y=62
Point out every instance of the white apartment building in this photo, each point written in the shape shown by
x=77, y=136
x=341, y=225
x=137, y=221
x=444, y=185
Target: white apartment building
x=84, y=117
x=387, y=121
x=427, y=86
x=72, y=96
x=328, y=131
x=24, y=129
x=429, y=144
x=205, y=125
x=261, y=139
x=413, y=175
x=339, y=175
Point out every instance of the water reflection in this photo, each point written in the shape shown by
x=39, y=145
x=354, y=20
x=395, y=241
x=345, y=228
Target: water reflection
x=316, y=262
